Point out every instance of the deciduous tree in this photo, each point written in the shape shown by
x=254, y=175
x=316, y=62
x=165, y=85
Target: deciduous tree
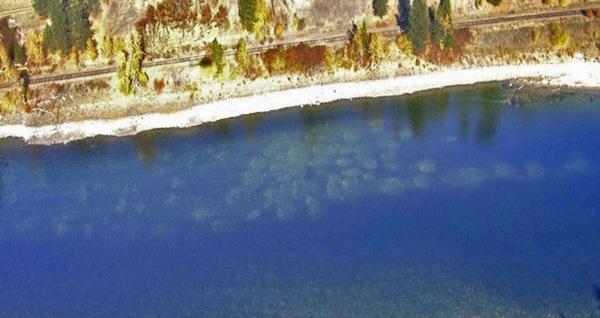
x=376, y=48
x=106, y=47
x=34, y=48
x=90, y=50
x=130, y=75
x=242, y=57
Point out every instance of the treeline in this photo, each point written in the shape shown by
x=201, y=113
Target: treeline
x=183, y=14
x=70, y=28
x=11, y=50
x=380, y=7
x=12, y=55
x=363, y=51
x=425, y=28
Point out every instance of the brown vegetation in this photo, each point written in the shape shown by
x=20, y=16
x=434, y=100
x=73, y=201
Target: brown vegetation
x=301, y=59
x=437, y=55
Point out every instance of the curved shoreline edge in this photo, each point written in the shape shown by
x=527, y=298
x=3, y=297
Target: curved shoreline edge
x=576, y=73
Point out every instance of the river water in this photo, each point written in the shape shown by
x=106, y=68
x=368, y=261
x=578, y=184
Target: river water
x=469, y=201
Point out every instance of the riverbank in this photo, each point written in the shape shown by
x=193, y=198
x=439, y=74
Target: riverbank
x=576, y=73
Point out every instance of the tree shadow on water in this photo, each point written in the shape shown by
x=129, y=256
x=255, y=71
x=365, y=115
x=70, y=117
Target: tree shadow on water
x=488, y=117
x=145, y=146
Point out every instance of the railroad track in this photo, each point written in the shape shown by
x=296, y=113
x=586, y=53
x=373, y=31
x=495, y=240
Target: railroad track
x=16, y=11
x=327, y=40
x=557, y=14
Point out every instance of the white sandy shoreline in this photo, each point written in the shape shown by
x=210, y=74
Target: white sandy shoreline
x=576, y=73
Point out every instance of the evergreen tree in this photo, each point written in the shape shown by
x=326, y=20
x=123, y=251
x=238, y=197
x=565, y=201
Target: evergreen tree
x=41, y=7
x=380, y=7
x=218, y=56
x=418, y=26
x=247, y=11
x=442, y=25
x=80, y=26
x=70, y=25
x=57, y=36
x=19, y=54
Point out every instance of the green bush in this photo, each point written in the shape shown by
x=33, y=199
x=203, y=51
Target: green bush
x=380, y=7
x=559, y=37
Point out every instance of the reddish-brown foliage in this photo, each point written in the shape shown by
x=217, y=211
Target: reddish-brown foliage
x=270, y=58
x=205, y=14
x=171, y=13
x=436, y=55
x=222, y=16
x=302, y=59
x=159, y=85
x=591, y=13
x=148, y=21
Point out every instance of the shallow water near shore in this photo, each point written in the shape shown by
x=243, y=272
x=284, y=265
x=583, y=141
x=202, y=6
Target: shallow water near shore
x=468, y=201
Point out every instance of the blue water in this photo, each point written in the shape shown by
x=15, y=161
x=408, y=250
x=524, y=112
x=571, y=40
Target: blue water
x=450, y=203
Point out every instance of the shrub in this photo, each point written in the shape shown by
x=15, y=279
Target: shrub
x=559, y=37
x=301, y=59
x=9, y=105
x=380, y=7
x=159, y=85
x=305, y=59
x=205, y=14
x=34, y=48
x=404, y=45
x=279, y=30
x=535, y=35
x=175, y=13
x=106, y=47
x=222, y=17
x=376, y=48
x=91, y=51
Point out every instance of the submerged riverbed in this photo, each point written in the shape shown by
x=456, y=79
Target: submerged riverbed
x=458, y=202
